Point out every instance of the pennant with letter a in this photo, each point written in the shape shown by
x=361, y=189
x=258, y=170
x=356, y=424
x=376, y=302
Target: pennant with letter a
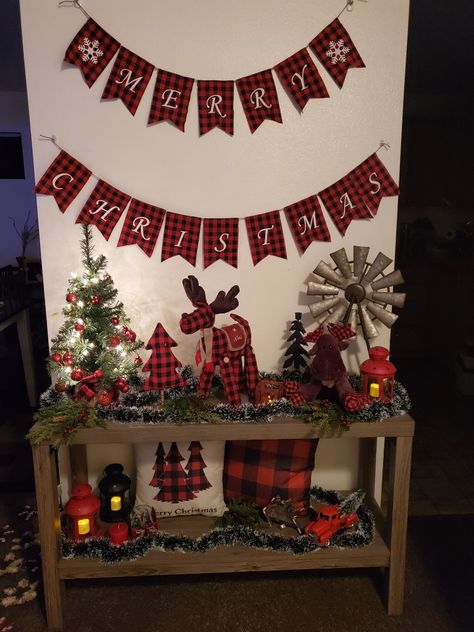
x=307, y=222
x=128, y=80
x=373, y=182
x=343, y=202
x=216, y=106
x=64, y=179
x=336, y=51
x=91, y=50
x=220, y=240
x=181, y=237
x=103, y=208
x=259, y=98
x=265, y=234
x=142, y=226
x=301, y=78
x=170, y=99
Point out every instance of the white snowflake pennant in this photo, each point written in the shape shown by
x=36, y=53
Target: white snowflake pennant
x=91, y=51
x=336, y=51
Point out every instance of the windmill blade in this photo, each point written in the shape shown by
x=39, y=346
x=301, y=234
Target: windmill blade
x=371, y=329
x=322, y=306
x=360, y=257
x=324, y=270
x=336, y=315
x=394, y=278
x=340, y=259
x=385, y=317
x=381, y=261
x=320, y=289
x=353, y=319
x=397, y=299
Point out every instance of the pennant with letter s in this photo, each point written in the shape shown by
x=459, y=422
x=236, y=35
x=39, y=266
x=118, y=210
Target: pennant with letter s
x=374, y=182
x=301, y=78
x=103, y=208
x=259, y=98
x=170, y=99
x=265, y=234
x=216, y=106
x=307, y=222
x=181, y=237
x=142, y=226
x=220, y=240
x=64, y=179
x=128, y=80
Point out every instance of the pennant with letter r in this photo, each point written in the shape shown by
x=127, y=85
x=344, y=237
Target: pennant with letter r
x=259, y=98
x=142, y=226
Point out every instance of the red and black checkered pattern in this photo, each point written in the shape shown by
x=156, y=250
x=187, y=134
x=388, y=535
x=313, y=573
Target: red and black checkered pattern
x=201, y=318
x=162, y=364
x=91, y=65
x=197, y=479
x=174, y=484
x=221, y=240
x=170, y=99
x=265, y=242
x=340, y=331
x=315, y=335
x=260, y=470
x=301, y=78
x=343, y=203
x=158, y=466
x=374, y=182
x=64, y=179
x=259, y=98
x=103, y=208
x=128, y=79
x=216, y=106
x=175, y=243
x=292, y=392
x=335, y=36
x=307, y=222
x=142, y=226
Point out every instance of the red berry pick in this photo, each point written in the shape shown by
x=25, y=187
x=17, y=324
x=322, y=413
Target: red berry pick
x=96, y=299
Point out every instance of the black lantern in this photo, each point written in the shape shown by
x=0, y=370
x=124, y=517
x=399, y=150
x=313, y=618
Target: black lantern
x=115, y=504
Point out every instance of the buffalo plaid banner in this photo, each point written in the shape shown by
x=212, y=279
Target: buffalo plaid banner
x=216, y=106
x=128, y=80
x=220, y=240
x=91, y=50
x=171, y=99
x=104, y=208
x=301, y=78
x=336, y=51
x=64, y=179
x=260, y=470
x=259, y=98
x=344, y=203
x=265, y=234
x=307, y=222
x=181, y=237
x=162, y=364
x=142, y=226
x=373, y=182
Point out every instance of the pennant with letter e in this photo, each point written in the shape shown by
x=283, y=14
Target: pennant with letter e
x=336, y=51
x=265, y=234
x=220, y=240
x=216, y=106
x=91, y=50
x=64, y=179
x=103, y=208
x=307, y=222
x=181, y=237
x=373, y=182
x=170, y=99
x=128, y=80
x=301, y=78
x=259, y=98
x=142, y=226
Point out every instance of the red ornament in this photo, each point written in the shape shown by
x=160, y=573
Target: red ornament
x=125, y=388
x=76, y=375
x=96, y=299
x=68, y=358
x=60, y=386
x=114, y=341
x=120, y=383
x=79, y=327
x=137, y=361
x=131, y=336
x=115, y=320
x=125, y=330
x=98, y=374
x=105, y=399
x=56, y=357
x=71, y=297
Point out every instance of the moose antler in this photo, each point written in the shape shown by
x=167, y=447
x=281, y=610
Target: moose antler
x=226, y=302
x=194, y=291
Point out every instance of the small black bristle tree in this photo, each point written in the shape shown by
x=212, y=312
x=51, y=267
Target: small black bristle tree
x=296, y=353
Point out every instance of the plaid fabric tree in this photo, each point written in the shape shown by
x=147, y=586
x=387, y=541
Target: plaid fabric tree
x=296, y=354
x=162, y=363
x=197, y=479
x=174, y=483
x=159, y=466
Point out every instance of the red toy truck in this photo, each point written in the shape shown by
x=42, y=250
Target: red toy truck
x=329, y=522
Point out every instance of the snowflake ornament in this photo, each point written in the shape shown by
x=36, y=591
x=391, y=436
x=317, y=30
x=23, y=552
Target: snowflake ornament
x=337, y=51
x=90, y=50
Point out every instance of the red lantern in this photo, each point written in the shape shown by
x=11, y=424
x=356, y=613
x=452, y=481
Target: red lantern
x=378, y=375
x=81, y=510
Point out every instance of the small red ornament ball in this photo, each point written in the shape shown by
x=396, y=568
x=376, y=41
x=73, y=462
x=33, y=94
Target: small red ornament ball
x=105, y=399
x=68, y=358
x=137, y=361
x=115, y=320
x=114, y=341
x=98, y=374
x=76, y=375
x=56, y=357
x=131, y=336
x=71, y=297
x=120, y=383
x=79, y=327
x=60, y=387
x=96, y=299
x=125, y=388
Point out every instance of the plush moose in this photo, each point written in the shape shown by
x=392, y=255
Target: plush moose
x=225, y=347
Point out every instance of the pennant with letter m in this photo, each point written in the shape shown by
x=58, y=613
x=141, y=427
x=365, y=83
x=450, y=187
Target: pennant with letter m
x=220, y=240
x=91, y=50
x=181, y=237
x=307, y=222
x=259, y=98
x=301, y=78
x=64, y=179
x=265, y=234
x=103, y=208
x=128, y=80
x=142, y=226
x=170, y=99
x=216, y=106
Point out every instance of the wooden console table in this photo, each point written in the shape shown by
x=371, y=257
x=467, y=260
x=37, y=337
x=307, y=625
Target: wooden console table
x=386, y=551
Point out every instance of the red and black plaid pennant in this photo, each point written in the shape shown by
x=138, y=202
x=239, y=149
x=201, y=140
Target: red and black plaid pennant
x=181, y=237
x=216, y=106
x=64, y=179
x=91, y=50
x=128, y=79
x=220, y=240
x=307, y=222
x=104, y=208
x=265, y=234
x=142, y=226
x=259, y=98
x=162, y=364
x=336, y=51
x=301, y=78
x=374, y=182
x=344, y=203
x=170, y=99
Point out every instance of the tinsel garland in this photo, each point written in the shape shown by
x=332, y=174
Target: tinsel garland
x=102, y=549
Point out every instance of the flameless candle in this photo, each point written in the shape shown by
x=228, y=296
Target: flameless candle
x=115, y=503
x=83, y=526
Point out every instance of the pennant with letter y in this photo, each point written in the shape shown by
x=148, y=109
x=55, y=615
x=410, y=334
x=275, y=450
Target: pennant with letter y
x=301, y=78
x=265, y=234
x=128, y=80
x=103, y=208
x=259, y=98
x=142, y=226
x=64, y=179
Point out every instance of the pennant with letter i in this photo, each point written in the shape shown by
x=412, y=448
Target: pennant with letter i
x=259, y=98
x=91, y=50
x=181, y=237
x=64, y=179
x=336, y=51
x=142, y=226
x=373, y=182
x=128, y=80
x=301, y=78
x=104, y=208
x=265, y=234
x=307, y=222
x=216, y=106
x=170, y=99
x=220, y=240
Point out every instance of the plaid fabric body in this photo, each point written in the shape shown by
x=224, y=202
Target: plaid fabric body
x=142, y=226
x=259, y=98
x=261, y=470
x=221, y=240
x=64, y=179
x=162, y=364
x=293, y=394
x=197, y=479
x=91, y=50
x=104, y=208
x=336, y=51
x=201, y=318
x=340, y=331
x=177, y=243
x=265, y=242
x=128, y=80
x=301, y=78
x=307, y=222
x=174, y=484
x=374, y=182
x=216, y=106
x=170, y=99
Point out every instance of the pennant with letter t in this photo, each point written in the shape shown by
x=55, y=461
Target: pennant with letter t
x=259, y=98
x=170, y=99
x=142, y=226
x=301, y=78
x=128, y=79
x=220, y=240
x=103, y=208
x=216, y=106
x=181, y=237
x=64, y=179
x=265, y=234
x=307, y=222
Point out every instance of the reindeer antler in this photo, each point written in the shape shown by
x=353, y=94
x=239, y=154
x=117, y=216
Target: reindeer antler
x=226, y=302
x=194, y=291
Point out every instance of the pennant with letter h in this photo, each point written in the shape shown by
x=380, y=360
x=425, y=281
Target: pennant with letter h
x=142, y=226
x=216, y=106
x=170, y=99
x=181, y=237
x=220, y=240
x=128, y=80
x=91, y=50
x=103, y=208
x=265, y=234
x=307, y=222
x=301, y=78
x=64, y=179
x=259, y=98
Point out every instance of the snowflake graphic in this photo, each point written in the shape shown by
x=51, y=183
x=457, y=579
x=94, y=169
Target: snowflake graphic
x=91, y=51
x=337, y=51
